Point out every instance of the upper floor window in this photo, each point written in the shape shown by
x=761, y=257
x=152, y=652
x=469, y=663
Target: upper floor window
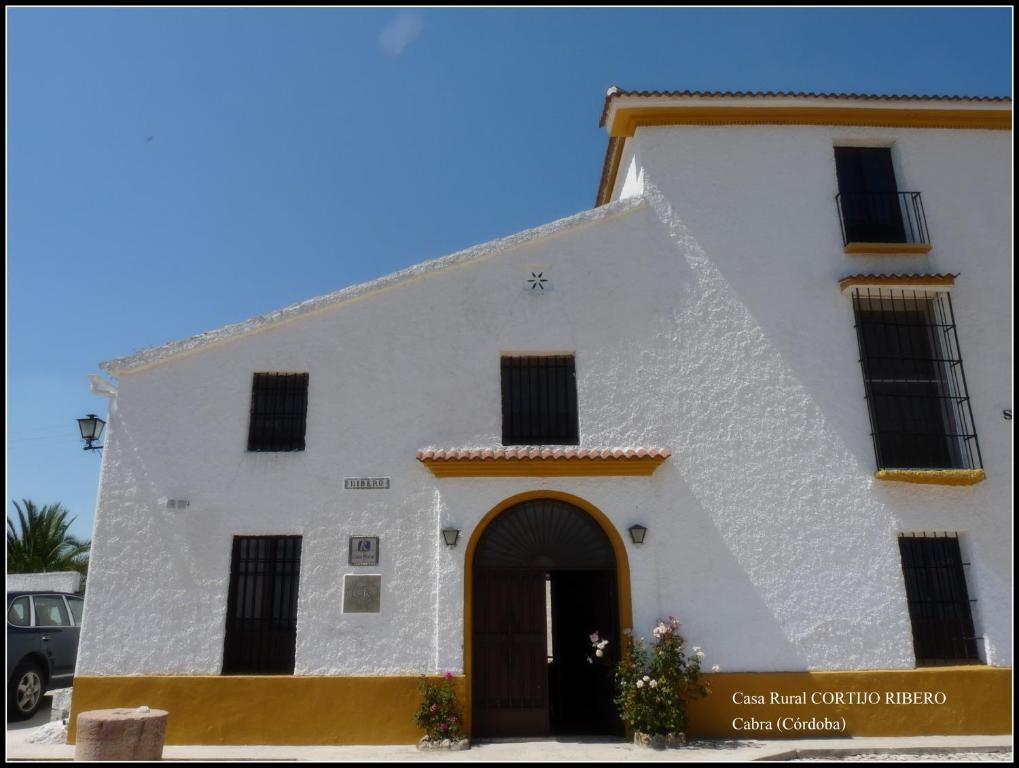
x=871, y=207
x=915, y=385
x=539, y=401
x=279, y=410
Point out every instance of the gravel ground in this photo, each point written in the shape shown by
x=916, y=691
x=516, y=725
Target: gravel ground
x=927, y=757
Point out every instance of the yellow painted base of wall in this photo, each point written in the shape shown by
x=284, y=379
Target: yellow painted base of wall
x=380, y=710
x=266, y=709
x=978, y=700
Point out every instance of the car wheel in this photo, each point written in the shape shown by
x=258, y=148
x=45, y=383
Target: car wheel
x=25, y=691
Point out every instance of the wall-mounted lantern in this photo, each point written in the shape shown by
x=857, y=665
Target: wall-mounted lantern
x=450, y=536
x=637, y=533
x=91, y=428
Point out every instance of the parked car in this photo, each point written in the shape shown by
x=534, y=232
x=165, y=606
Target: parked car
x=42, y=647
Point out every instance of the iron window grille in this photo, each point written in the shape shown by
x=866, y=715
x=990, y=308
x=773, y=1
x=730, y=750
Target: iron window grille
x=916, y=393
x=939, y=604
x=539, y=401
x=882, y=217
x=279, y=411
x=261, y=620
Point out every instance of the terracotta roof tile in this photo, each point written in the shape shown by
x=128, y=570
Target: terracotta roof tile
x=898, y=279
x=527, y=453
x=615, y=92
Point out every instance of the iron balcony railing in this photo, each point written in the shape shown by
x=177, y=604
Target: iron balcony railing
x=882, y=217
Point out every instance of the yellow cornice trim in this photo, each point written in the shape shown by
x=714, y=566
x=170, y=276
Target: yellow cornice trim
x=610, y=169
x=627, y=120
x=912, y=281
x=933, y=476
x=904, y=248
x=544, y=467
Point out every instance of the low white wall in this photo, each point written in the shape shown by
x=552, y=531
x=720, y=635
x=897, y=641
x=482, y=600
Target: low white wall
x=59, y=581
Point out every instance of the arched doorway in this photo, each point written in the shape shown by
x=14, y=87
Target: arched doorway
x=544, y=575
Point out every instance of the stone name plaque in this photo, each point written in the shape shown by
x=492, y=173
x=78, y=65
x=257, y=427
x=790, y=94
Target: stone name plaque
x=362, y=594
x=365, y=483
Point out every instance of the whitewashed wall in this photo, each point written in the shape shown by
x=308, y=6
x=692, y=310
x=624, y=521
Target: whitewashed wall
x=57, y=581
x=707, y=321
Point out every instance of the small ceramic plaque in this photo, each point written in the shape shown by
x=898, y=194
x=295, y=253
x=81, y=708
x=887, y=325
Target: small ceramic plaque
x=364, y=550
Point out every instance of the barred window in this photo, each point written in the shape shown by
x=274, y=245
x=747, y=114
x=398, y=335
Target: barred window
x=539, y=401
x=915, y=386
x=261, y=615
x=279, y=410
x=939, y=604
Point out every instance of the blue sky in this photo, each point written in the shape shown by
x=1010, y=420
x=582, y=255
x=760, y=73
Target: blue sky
x=171, y=171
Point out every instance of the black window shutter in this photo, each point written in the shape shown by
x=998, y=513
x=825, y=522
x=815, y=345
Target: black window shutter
x=914, y=381
x=261, y=621
x=868, y=195
x=279, y=412
x=539, y=400
x=939, y=604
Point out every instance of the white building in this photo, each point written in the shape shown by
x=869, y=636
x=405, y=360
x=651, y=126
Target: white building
x=686, y=357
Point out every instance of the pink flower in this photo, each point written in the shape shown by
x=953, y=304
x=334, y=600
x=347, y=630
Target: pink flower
x=433, y=708
x=443, y=727
x=594, y=637
x=449, y=675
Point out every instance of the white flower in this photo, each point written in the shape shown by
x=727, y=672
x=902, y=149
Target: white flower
x=654, y=683
x=646, y=678
x=716, y=668
x=594, y=637
x=700, y=654
x=603, y=643
x=589, y=660
x=640, y=683
x=696, y=649
x=599, y=653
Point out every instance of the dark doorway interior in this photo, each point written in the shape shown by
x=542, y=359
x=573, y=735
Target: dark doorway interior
x=544, y=581
x=581, y=685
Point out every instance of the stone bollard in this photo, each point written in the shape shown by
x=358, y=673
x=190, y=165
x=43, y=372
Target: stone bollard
x=121, y=734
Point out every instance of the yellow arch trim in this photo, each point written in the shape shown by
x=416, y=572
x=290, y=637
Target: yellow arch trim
x=618, y=548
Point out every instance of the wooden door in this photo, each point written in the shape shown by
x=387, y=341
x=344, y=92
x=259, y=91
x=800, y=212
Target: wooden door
x=510, y=689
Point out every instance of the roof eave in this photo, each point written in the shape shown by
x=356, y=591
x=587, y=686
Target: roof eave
x=152, y=356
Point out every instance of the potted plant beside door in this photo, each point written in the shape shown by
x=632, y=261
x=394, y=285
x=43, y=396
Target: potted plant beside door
x=440, y=716
x=654, y=684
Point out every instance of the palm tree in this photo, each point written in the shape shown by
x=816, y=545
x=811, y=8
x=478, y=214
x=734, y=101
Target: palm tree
x=42, y=544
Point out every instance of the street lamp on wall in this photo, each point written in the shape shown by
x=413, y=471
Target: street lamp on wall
x=450, y=536
x=91, y=427
x=637, y=533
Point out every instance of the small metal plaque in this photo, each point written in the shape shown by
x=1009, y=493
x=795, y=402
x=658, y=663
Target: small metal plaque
x=365, y=483
x=361, y=594
x=364, y=550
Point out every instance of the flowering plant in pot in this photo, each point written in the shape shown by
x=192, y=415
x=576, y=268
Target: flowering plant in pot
x=440, y=716
x=654, y=684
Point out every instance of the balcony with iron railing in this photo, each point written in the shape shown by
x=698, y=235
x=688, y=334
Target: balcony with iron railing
x=883, y=222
